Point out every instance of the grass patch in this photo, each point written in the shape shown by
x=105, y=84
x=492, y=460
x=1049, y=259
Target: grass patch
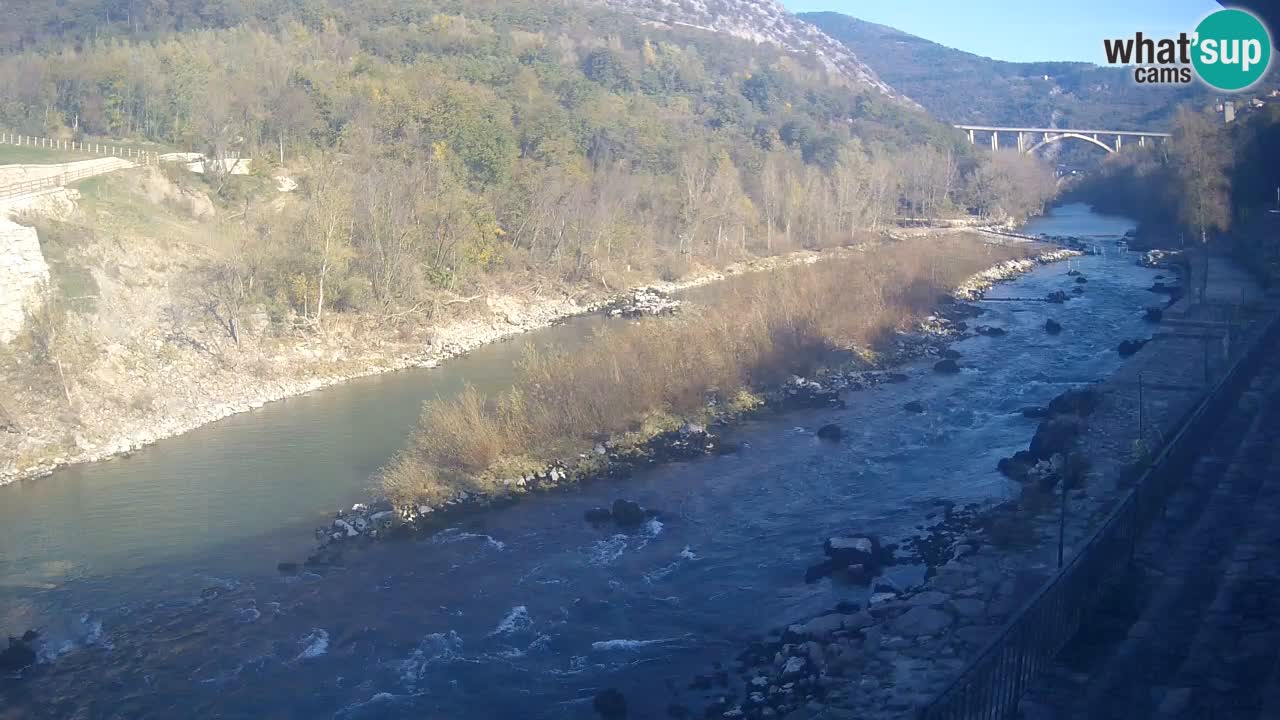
x=633, y=381
x=61, y=244
x=31, y=155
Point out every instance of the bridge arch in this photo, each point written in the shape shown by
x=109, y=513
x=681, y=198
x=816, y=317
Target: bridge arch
x=1064, y=136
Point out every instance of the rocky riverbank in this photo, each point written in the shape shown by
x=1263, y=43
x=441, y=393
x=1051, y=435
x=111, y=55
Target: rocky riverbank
x=889, y=656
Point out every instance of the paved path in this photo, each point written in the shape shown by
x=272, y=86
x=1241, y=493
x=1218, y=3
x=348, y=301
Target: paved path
x=1194, y=631
x=20, y=181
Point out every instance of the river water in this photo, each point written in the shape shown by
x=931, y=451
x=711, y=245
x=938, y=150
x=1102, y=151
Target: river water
x=153, y=577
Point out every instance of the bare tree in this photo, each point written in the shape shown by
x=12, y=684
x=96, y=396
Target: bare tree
x=1201, y=157
x=327, y=227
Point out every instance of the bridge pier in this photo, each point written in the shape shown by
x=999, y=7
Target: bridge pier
x=995, y=140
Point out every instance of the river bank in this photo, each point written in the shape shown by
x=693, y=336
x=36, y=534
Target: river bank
x=185, y=392
x=153, y=579
x=891, y=655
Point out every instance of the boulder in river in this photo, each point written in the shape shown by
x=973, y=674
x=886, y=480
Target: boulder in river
x=628, y=513
x=915, y=406
x=947, y=366
x=20, y=654
x=1130, y=347
x=1082, y=280
x=1153, y=314
x=1057, y=297
x=830, y=433
x=951, y=354
x=1054, y=435
x=610, y=704
x=1080, y=402
x=1077, y=290
x=990, y=331
x=1053, y=327
x=598, y=516
x=1018, y=467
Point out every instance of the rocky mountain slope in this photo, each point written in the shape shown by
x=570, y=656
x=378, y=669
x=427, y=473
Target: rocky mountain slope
x=761, y=21
x=961, y=87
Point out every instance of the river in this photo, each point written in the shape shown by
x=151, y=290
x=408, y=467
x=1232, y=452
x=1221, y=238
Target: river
x=153, y=577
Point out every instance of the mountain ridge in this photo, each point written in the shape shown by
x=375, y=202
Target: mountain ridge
x=962, y=87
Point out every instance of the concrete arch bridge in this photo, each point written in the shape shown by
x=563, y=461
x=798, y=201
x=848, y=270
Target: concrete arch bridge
x=1029, y=140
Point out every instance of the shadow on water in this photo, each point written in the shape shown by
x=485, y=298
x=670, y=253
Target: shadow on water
x=167, y=603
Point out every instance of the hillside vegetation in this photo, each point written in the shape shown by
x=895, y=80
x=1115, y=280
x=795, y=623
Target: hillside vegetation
x=1216, y=185
x=446, y=154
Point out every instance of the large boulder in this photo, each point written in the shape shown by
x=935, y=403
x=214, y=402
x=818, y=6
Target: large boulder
x=1056, y=297
x=990, y=331
x=1018, y=467
x=598, y=516
x=1130, y=347
x=1075, y=402
x=20, y=654
x=1053, y=327
x=830, y=433
x=610, y=704
x=946, y=366
x=921, y=620
x=858, y=558
x=1054, y=435
x=628, y=513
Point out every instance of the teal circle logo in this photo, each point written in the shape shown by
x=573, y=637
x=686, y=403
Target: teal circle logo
x=1232, y=49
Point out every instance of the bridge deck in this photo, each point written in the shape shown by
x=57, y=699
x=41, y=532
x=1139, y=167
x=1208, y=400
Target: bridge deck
x=1123, y=133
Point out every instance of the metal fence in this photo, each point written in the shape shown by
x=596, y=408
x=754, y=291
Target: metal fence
x=992, y=684
x=144, y=157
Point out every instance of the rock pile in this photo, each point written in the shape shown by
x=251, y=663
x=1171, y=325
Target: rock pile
x=641, y=302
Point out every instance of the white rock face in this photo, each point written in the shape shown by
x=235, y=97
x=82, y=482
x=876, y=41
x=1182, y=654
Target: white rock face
x=760, y=21
x=23, y=272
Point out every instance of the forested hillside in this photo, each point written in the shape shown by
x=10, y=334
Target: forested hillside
x=961, y=87
x=484, y=135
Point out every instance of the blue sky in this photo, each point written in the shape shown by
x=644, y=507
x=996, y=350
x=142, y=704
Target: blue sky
x=1020, y=30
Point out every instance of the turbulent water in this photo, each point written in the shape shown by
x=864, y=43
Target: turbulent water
x=153, y=577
